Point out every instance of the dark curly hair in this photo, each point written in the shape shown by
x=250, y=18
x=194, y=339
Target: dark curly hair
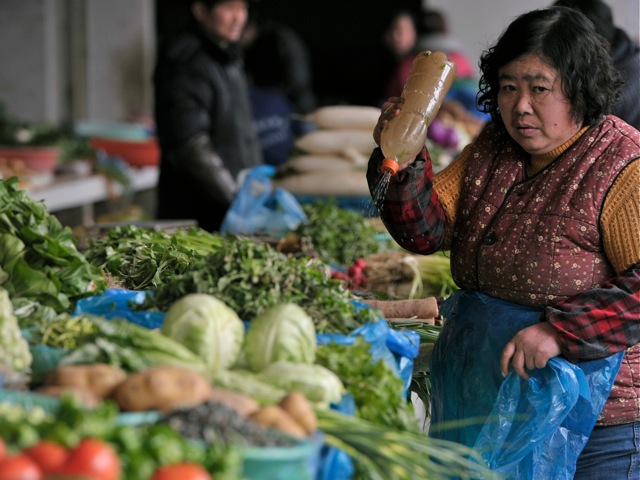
x=567, y=40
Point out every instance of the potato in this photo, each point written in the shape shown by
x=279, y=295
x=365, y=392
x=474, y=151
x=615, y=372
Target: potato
x=298, y=406
x=242, y=403
x=162, y=388
x=83, y=396
x=101, y=379
x=274, y=416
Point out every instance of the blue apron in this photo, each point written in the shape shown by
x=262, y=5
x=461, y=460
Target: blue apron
x=523, y=429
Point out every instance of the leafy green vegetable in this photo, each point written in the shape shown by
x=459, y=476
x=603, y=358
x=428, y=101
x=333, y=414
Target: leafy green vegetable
x=251, y=277
x=143, y=258
x=284, y=332
x=39, y=259
x=337, y=235
x=14, y=349
x=435, y=271
x=376, y=389
x=132, y=348
x=207, y=327
x=319, y=384
x=249, y=383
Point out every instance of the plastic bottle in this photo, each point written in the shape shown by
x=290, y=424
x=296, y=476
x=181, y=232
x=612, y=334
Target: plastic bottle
x=402, y=138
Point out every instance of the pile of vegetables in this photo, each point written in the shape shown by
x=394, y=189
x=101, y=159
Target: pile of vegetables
x=39, y=259
x=338, y=236
x=238, y=345
x=14, y=349
x=251, y=277
x=141, y=450
x=142, y=258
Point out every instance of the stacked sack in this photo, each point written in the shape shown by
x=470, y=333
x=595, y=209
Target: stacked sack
x=331, y=159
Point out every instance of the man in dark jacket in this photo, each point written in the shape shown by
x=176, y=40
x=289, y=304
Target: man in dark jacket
x=203, y=116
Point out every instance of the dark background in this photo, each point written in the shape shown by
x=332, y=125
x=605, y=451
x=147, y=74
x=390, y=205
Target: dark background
x=335, y=31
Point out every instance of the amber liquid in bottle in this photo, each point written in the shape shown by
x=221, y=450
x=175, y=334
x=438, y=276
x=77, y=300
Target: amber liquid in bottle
x=402, y=138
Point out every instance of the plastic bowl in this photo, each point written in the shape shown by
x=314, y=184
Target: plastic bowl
x=37, y=159
x=136, y=153
x=113, y=130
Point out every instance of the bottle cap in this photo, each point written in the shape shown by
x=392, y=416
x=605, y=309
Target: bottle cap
x=389, y=165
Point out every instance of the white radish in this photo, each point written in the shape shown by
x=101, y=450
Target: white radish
x=336, y=141
x=345, y=116
x=346, y=183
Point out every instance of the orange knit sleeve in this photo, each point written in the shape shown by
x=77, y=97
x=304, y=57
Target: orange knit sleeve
x=620, y=219
x=447, y=184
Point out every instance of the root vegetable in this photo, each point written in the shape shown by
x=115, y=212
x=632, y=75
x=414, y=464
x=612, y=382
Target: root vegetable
x=345, y=116
x=314, y=163
x=162, y=388
x=296, y=404
x=243, y=404
x=348, y=183
x=82, y=395
x=418, y=308
x=276, y=417
x=100, y=378
x=336, y=141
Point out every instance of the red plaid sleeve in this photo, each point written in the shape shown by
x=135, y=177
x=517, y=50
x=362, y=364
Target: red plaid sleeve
x=601, y=321
x=410, y=209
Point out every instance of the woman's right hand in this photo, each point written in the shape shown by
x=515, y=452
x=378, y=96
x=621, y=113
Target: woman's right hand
x=390, y=109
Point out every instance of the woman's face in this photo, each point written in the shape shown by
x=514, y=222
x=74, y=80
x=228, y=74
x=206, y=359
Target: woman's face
x=226, y=20
x=401, y=36
x=533, y=107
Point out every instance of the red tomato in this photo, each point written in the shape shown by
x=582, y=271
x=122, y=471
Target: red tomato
x=48, y=455
x=3, y=449
x=182, y=471
x=94, y=458
x=19, y=467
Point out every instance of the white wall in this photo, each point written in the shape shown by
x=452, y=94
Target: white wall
x=67, y=60
x=92, y=59
x=478, y=23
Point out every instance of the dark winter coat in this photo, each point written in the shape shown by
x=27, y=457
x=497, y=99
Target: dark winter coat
x=204, y=127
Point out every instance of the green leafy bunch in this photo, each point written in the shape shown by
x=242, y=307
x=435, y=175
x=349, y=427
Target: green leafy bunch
x=339, y=236
x=250, y=277
x=39, y=259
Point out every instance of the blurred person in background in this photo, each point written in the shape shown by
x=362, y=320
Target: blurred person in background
x=625, y=53
x=278, y=69
x=373, y=68
x=203, y=115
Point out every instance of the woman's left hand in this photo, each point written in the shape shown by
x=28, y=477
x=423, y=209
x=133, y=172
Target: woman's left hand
x=530, y=348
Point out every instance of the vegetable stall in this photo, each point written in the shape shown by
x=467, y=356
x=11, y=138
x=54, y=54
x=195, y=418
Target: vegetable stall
x=153, y=354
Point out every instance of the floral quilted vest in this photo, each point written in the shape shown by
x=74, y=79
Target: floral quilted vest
x=536, y=240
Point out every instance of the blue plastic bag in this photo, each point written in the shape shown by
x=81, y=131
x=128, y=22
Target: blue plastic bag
x=119, y=303
x=523, y=429
x=259, y=209
x=336, y=464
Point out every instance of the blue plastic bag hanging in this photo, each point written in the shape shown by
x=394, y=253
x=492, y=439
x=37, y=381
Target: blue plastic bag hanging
x=524, y=429
x=259, y=209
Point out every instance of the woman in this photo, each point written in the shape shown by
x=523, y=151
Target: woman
x=540, y=212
